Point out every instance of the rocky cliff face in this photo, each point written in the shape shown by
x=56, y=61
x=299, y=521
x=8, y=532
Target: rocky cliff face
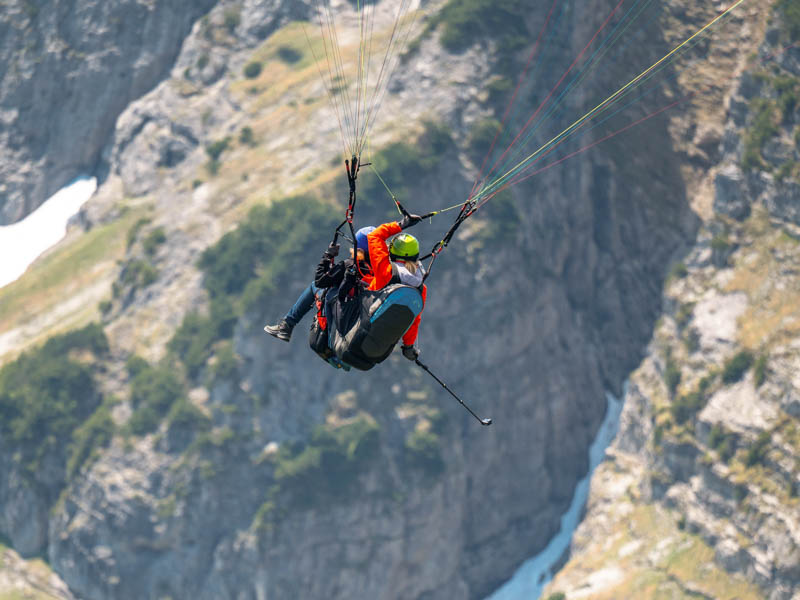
x=278, y=476
x=706, y=459
x=67, y=70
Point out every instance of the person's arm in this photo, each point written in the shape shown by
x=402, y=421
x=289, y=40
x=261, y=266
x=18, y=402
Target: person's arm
x=410, y=336
x=379, y=254
x=328, y=274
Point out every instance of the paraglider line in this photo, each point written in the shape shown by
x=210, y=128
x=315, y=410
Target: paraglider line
x=585, y=148
x=555, y=87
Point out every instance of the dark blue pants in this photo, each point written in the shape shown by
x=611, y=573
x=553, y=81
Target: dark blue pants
x=304, y=303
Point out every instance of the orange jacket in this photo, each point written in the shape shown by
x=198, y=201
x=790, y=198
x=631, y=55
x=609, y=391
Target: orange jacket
x=382, y=270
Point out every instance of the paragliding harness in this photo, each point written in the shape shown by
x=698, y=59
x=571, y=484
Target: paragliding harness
x=362, y=331
x=318, y=337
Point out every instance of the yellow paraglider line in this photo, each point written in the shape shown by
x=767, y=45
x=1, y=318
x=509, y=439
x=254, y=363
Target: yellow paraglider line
x=605, y=102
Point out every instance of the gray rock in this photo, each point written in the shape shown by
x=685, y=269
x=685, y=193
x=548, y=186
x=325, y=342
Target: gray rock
x=730, y=195
x=749, y=86
x=68, y=71
x=784, y=203
x=777, y=151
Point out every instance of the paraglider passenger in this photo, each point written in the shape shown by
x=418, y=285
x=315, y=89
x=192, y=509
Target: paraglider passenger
x=398, y=263
x=342, y=275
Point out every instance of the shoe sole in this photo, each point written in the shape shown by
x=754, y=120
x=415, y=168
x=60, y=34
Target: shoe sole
x=275, y=334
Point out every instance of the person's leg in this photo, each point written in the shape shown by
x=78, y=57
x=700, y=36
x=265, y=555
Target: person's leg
x=304, y=303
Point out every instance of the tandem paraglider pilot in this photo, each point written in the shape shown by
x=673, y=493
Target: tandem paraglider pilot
x=365, y=304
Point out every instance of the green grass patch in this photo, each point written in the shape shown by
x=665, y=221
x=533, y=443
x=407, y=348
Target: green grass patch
x=68, y=269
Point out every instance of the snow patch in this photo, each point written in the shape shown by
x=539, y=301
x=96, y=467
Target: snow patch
x=23, y=242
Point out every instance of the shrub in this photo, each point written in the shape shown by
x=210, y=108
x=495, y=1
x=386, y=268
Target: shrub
x=153, y=393
x=202, y=61
x=684, y=314
x=289, y=55
x=215, y=149
x=138, y=273
x=133, y=232
x=482, y=135
x=231, y=18
x=498, y=87
x=557, y=596
x=212, y=166
x=105, y=306
x=192, y=342
x=266, y=245
x=246, y=136
x=787, y=88
x=227, y=365
x=678, y=271
x=252, y=69
x=791, y=17
x=153, y=240
x=724, y=442
x=736, y=367
x=328, y=467
x=758, y=451
x=185, y=415
x=400, y=164
x=46, y=395
x=96, y=432
x=763, y=127
x=465, y=21
x=688, y=405
x=720, y=243
x=135, y=365
x=423, y=450
x=672, y=374
x=760, y=370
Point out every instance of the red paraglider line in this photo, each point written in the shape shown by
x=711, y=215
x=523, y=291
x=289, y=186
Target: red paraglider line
x=584, y=149
x=555, y=87
x=513, y=97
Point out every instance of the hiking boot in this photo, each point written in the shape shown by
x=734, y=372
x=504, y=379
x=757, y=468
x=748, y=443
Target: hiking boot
x=282, y=331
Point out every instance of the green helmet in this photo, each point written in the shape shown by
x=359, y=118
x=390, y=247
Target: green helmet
x=404, y=247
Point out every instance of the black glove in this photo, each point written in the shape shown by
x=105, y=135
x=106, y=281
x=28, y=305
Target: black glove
x=410, y=352
x=409, y=221
x=332, y=251
x=348, y=283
